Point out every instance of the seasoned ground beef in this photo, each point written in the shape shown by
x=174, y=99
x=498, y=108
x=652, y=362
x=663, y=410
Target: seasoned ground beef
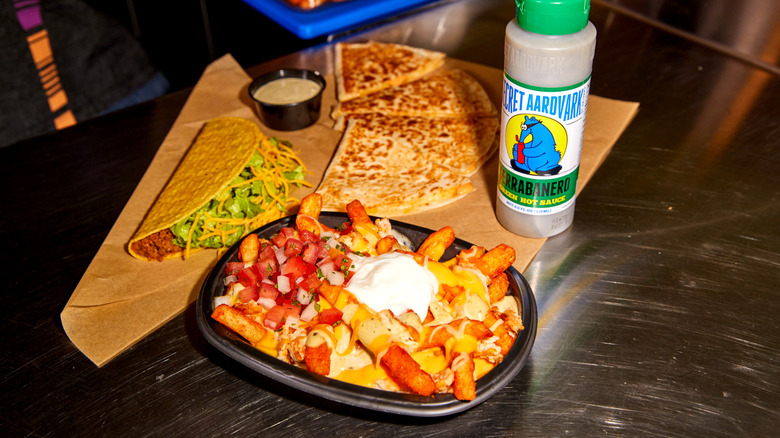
x=156, y=246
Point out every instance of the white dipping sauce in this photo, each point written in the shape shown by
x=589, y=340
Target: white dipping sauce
x=395, y=282
x=286, y=91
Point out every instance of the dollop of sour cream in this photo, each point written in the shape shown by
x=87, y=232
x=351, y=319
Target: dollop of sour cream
x=395, y=282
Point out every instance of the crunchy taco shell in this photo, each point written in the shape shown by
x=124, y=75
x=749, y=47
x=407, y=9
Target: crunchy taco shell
x=229, y=141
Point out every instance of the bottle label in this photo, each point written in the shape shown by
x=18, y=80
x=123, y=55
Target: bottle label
x=540, y=146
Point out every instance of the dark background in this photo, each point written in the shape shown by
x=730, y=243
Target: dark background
x=183, y=36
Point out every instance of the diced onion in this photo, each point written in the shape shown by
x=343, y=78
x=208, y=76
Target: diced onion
x=231, y=279
x=283, y=284
x=235, y=288
x=332, y=242
x=280, y=257
x=292, y=321
x=309, y=312
x=303, y=296
x=326, y=267
x=267, y=303
x=335, y=278
x=354, y=257
x=224, y=299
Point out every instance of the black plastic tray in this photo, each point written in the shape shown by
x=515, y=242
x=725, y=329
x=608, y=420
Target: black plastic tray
x=378, y=400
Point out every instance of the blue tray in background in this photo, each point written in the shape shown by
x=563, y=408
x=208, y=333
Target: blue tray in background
x=332, y=16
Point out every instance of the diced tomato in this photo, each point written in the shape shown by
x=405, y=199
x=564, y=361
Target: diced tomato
x=278, y=240
x=267, y=252
x=233, y=267
x=283, y=299
x=310, y=283
x=323, y=247
x=274, y=318
x=341, y=262
x=292, y=310
x=330, y=316
x=266, y=268
x=308, y=236
x=281, y=237
x=345, y=228
x=247, y=277
x=295, y=267
x=248, y=293
x=293, y=247
x=311, y=252
x=268, y=291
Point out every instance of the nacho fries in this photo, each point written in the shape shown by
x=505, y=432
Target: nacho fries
x=302, y=297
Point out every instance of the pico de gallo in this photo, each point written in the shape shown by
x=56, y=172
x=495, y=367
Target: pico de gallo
x=285, y=276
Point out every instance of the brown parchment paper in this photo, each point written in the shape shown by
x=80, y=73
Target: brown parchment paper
x=120, y=299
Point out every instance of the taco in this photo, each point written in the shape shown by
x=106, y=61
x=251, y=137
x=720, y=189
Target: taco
x=231, y=181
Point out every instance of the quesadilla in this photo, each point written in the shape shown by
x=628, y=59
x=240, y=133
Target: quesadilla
x=364, y=68
x=392, y=179
x=461, y=145
x=232, y=180
x=451, y=94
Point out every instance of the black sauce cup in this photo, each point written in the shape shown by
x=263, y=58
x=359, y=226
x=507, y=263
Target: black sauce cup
x=291, y=116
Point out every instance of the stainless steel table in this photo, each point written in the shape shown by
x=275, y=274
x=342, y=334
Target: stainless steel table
x=658, y=308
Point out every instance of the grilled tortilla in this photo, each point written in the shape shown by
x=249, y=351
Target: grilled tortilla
x=451, y=94
x=364, y=68
x=373, y=164
x=460, y=144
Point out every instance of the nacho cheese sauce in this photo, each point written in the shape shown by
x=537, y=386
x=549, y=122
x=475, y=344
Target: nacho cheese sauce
x=285, y=91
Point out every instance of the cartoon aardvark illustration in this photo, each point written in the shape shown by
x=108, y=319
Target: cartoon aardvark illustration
x=539, y=156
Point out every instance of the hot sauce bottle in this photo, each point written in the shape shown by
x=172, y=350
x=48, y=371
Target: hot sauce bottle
x=548, y=55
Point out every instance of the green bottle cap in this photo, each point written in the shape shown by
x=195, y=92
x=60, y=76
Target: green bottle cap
x=553, y=17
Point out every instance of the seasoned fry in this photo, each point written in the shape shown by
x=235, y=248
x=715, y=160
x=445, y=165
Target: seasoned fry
x=405, y=370
x=311, y=205
x=318, y=359
x=474, y=252
x=439, y=335
x=358, y=215
x=240, y=323
x=386, y=244
x=450, y=292
x=498, y=287
x=249, y=248
x=309, y=213
x=438, y=242
x=506, y=336
x=497, y=260
x=469, y=258
x=464, y=386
